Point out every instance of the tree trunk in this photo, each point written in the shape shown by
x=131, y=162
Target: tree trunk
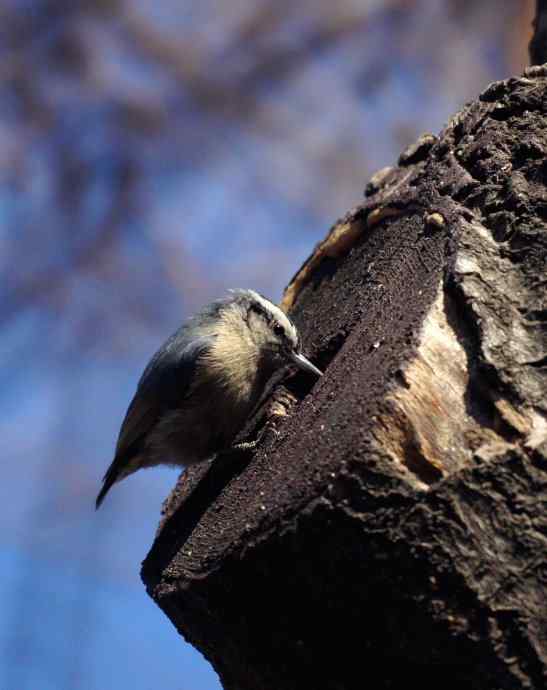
x=538, y=43
x=391, y=529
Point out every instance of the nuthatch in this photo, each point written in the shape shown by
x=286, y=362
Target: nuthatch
x=202, y=385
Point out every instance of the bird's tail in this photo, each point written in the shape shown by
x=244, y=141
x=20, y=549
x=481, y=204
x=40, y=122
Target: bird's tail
x=109, y=480
x=117, y=471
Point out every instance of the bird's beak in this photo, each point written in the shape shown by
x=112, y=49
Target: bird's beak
x=303, y=363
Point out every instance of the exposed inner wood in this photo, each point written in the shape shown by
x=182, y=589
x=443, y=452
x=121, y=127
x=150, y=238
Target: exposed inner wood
x=427, y=427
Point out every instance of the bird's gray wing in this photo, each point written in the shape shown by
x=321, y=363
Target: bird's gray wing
x=163, y=385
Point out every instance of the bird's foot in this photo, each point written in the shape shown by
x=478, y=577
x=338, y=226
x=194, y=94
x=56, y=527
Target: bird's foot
x=246, y=446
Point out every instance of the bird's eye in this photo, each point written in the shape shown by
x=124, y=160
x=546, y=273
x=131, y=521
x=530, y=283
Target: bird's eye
x=278, y=329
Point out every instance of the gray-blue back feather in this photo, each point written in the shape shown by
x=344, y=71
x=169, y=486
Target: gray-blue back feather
x=168, y=376
x=163, y=385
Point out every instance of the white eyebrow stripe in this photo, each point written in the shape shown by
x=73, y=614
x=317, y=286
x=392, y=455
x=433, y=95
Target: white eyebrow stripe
x=276, y=311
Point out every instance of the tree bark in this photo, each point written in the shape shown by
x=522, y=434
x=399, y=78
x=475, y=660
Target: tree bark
x=391, y=528
x=538, y=43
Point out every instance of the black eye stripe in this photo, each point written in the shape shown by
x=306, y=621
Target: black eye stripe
x=259, y=309
x=271, y=319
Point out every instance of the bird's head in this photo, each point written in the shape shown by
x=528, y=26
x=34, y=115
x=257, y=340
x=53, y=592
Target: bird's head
x=271, y=330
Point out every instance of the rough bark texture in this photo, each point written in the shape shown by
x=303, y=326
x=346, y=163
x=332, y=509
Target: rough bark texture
x=391, y=529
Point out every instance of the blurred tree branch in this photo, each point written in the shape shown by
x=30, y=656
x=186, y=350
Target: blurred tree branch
x=78, y=257
x=212, y=87
x=61, y=64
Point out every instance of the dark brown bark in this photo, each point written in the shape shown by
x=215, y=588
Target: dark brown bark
x=538, y=44
x=392, y=529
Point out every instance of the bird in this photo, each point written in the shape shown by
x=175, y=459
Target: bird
x=203, y=383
